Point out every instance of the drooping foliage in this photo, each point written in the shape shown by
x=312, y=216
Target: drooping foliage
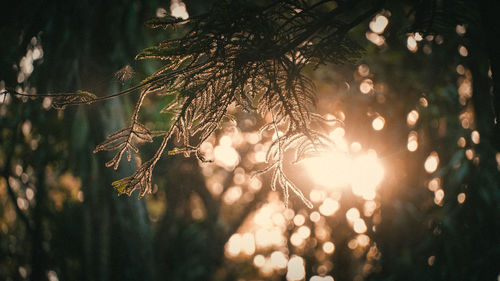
x=242, y=54
x=253, y=57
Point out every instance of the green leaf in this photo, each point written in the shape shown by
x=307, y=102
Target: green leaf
x=121, y=185
x=85, y=94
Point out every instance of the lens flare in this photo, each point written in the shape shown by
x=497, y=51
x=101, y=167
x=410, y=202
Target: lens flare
x=338, y=169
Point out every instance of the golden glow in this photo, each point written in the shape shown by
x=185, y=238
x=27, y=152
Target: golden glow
x=461, y=198
x=233, y=246
x=378, y=123
x=411, y=44
x=431, y=260
x=296, y=239
x=423, y=102
x=232, y=195
x=330, y=170
x=352, y=214
x=263, y=217
x=461, y=142
x=434, y=184
x=462, y=50
x=337, y=134
x=379, y=23
x=466, y=119
x=352, y=244
x=359, y=226
x=248, y=244
x=376, y=39
x=329, y=207
x=363, y=240
x=412, y=118
x=431, y=163
x=412, y=141
x=319, y=278
x=279, y=259
x=178, y=9
x=315, y=216
x=469, y=153
x=460, y=29
x=317, y=195
x=339, y=169
x=161, y=13
x=364, y=70
x=240, y=244
x=366, y=86
x=267, y=268
x=356, y=147
x=369, y=207
x=259, y=260
x=255, y=184
x=225, y=155
x=328, y=247
x=22, y=203
x=475, y=137
x=278, y=219
x=264, y=231
x=438, y=196
x=266, y=238
x=299, y=220
x=465, y=87
x=304, y=232
x=295, y=269
x=498, y=160
x=366, y=174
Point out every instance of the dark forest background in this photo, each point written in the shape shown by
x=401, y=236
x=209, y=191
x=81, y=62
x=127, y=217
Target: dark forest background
x=60, y=219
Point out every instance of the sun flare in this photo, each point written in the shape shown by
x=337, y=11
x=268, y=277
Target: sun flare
x=362, y=172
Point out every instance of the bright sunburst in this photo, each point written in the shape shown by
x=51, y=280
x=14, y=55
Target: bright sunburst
x=336, y=169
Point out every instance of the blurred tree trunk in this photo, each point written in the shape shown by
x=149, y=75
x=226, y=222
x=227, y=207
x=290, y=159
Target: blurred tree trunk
x=117, y=232
x=38, y=255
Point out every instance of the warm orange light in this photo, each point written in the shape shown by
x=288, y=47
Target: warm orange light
x=279, y=259
x=352, y=214
x=329, y=207
x=299, y=220
x=461, y=198
x=328, y=247
x=259, y=260
x=331, y=170
x=411, y=44
x=379, y=23
x=320, y=278
x=366, y=86
x=412, y=141
x=295, y=270
x=378, y=123
x=431, y=163
x=359, y=226
x=178, y=9
x=226, y=156
x=475, y=137
x=233, y=246
x=338, y=169
x=412, y=118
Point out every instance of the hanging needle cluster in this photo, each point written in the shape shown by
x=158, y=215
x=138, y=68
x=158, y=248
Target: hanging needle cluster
x=243, y=54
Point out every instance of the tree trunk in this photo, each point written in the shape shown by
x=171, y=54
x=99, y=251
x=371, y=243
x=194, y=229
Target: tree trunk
x=117, y=240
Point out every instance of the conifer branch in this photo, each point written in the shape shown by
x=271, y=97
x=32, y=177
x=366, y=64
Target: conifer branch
x=240, y=53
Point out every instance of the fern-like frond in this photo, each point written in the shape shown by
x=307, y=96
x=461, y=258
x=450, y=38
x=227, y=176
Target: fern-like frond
x=61, y=102
x=244, y=54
